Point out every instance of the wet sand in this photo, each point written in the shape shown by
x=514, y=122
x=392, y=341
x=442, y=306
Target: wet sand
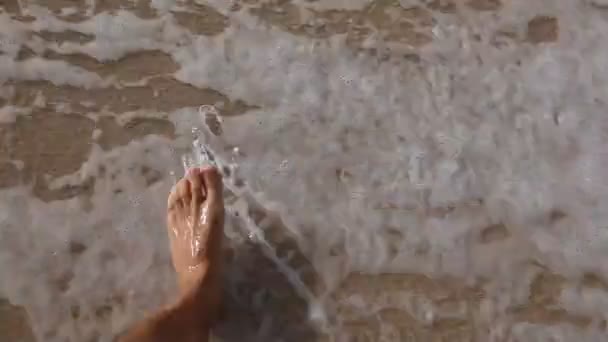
x=48, y=150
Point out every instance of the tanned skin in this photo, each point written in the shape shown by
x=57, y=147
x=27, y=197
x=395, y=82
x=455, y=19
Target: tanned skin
x=195, y=223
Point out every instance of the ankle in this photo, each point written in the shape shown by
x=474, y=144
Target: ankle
x=200, y=291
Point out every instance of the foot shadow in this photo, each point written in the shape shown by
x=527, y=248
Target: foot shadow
x=268, y=281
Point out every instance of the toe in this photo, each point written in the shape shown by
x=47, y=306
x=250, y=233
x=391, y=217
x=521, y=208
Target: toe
x=213, y=183
x=195, y=178
x=197, y=190
x=173, y=199
x=183, y=191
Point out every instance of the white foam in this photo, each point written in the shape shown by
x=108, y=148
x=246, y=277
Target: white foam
x=466, y=123
x=334, y=4
x=122, y=247
x=559, y=332
x=57, y=72
x=585, y=300
x=8, y=114
x=497, y=118
x=163, y=5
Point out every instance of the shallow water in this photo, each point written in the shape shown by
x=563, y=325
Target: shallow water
x=424, y=171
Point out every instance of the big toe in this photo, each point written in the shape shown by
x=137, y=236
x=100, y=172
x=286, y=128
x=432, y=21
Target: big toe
x=197, y=189
x=213, y=184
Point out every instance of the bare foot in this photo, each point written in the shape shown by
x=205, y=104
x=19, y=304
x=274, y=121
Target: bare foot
x=195, y=222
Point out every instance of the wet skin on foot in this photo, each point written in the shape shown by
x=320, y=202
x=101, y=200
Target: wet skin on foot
x=195, y=220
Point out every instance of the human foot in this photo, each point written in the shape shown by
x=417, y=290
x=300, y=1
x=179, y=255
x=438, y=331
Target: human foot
x=195, y=221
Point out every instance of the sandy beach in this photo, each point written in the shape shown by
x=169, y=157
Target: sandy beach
x=100, y=99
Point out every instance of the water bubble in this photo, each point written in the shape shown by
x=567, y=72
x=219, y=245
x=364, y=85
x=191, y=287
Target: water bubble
x=429, y=316
x=357, y=195
x=173, y=176
x=346, y=80
x=205, y=110
x=317, y=313
x=284, y=165
x=135, y=201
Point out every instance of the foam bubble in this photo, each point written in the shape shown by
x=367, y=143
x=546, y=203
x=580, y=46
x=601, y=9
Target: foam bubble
x=343, y=149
